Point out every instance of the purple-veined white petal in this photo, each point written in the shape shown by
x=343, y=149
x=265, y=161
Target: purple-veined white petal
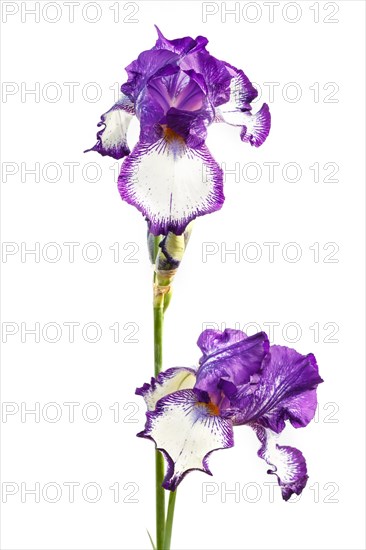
x=171, y=183
x=167, y=382
x=112, y=138
x=242, y=91
x=288, y=463
x=254, y=127
x=186, y=430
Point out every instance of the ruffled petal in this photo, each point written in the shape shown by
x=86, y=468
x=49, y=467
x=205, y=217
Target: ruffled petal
x=242, y=91
x=148, y=63
x=180, y=46
x=171, y=183
x=288, y=463
x=214, y=72
x=254, y=128
x=213, y=342
x=186, y=430
x=112, y=138
x=177, y=101
x=167, y=382
x=230, y=359
x=285, y=390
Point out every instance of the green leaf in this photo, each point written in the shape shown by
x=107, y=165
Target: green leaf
x=151, y=540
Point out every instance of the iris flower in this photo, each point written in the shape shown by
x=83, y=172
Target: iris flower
x=240, y=380
x=176, y=90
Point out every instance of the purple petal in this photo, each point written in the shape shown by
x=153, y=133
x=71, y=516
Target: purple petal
x=151, y=116
x=171, y=183
x=144, y=67
x=180, y=90
x=186, y=430
x=286, y=390
x=167, y=382
x=178, y=101
x=211, y=341
x=229, y=356
x=214, y=72
x=112, y=140
x=179, y=45
x=191, y=126
x=288, y=463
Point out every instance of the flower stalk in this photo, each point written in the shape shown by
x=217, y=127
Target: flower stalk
x=166, y=253
x=159, y=460
x=169, y=520
x=158, y=309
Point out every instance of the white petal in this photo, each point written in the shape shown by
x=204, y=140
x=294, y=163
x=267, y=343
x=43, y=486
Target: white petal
x=167, y=382
x=187, y=431
x=171, y=183
x=112, y=138
x=254, y=128
x=288, y=463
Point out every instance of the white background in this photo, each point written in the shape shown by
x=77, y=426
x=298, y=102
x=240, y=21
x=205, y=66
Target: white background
x=324, y=128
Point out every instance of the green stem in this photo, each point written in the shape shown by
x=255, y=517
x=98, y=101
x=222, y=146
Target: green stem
x=159, y=460
x=169, y=520
x=160, y=501
x=158, y=334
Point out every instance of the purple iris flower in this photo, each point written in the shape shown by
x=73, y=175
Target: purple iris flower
x=176, y=90
x=240, y=380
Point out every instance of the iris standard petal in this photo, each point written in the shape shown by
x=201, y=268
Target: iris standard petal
x=214, y=72
x=285, y=390
x=179, y=45
x=172, y=90
x=288, y=463
x=186, y=430
x=171, y=183
x=144, y=67
x=229, y=356
x=112, y=138
x=167, y=382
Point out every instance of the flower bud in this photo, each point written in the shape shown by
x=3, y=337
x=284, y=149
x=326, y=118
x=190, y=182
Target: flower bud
x=166, y=253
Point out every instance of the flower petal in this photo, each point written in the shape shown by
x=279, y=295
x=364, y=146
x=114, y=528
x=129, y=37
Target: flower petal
x=171, y=183
x=186, y=431
x=229, y=356
x=179, y=45
x=214, y=72
x=112, y=140
x=191, y=126
x=286, y=390
x=254, y=128
x=288, y=463
x=242, y=91
x=148, y=63
x=167, y=382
